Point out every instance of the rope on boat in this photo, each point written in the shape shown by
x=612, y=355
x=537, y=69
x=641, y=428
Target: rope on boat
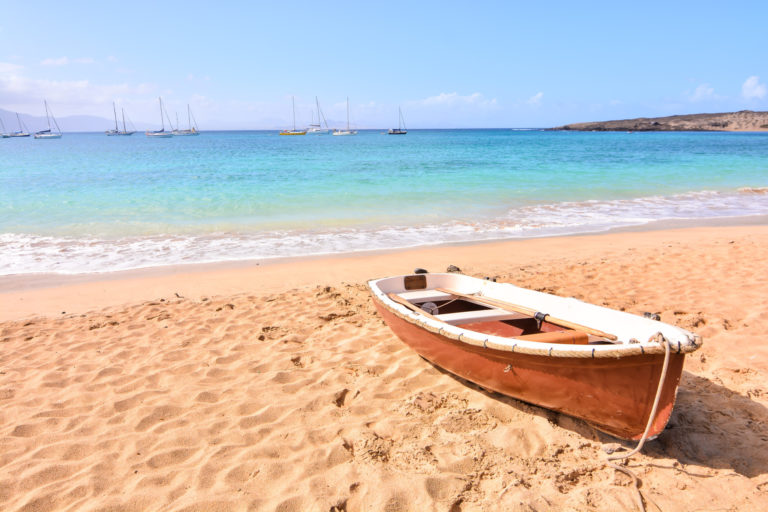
x=609, y=461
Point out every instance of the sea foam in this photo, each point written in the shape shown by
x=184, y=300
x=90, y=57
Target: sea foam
x=27, y=253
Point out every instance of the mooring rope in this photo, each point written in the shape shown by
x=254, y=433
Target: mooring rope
x=609, y=461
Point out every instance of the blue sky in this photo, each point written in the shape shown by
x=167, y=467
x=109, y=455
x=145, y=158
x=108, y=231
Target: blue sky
x=448, y=64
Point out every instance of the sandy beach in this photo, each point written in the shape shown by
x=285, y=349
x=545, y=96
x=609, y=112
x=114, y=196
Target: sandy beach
x=275, y=386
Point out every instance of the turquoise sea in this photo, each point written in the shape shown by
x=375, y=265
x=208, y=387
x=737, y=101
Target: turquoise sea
x=92, y=203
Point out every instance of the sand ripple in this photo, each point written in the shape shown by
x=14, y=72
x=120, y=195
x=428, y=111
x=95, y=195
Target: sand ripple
x=304, y=400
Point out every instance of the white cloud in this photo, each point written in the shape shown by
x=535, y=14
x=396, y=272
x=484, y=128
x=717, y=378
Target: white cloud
x=753, y=89
x=702, y=93
x=535, y=100
x=63, y=61
x=7, y=67
x=454, y=99
x=111, y=58
x=76, y=95
x=191, y=77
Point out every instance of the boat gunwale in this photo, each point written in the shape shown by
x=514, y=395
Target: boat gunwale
x=514, y=345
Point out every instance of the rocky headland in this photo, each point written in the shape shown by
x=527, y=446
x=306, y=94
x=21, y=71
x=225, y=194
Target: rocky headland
x=742, y=121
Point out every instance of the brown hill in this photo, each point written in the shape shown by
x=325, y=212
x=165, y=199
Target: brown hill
x=742, y=121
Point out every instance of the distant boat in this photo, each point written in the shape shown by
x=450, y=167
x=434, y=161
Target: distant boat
x=317, y=129
x=22, y=132
x=400, y=130
x=117, y=131
x=161, y=133
x=49, y=134
x=3, y=135
x=293, y=131
x=192, y=130
x=347, y=131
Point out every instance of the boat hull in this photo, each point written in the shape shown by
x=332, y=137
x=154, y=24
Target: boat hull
x=615, y=395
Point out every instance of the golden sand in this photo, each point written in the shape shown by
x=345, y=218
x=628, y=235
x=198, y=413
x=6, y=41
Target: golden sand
x=277, y=387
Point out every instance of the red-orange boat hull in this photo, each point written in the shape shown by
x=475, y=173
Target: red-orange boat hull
x=615, y=395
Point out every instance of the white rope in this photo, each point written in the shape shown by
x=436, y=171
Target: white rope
x=626, y=471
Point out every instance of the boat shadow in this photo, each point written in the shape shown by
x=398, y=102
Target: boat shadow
x=716, y=427
x=711, y=426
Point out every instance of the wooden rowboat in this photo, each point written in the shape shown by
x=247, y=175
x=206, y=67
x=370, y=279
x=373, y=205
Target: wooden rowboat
x=590, y=362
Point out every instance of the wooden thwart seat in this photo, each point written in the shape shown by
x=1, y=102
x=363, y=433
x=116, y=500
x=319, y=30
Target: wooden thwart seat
x=563, y=337
x=483, y=315
x=530, y=312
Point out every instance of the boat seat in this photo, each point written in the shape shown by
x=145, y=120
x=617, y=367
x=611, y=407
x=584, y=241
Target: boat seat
x=483, y=315
x=425, y=296
x=564, y=337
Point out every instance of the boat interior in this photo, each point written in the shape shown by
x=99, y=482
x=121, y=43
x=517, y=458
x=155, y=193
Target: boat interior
x=493, y=317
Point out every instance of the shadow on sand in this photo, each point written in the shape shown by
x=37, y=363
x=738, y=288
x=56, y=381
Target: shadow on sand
x=711, y=426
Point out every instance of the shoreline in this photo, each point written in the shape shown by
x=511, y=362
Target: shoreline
x=28, y=295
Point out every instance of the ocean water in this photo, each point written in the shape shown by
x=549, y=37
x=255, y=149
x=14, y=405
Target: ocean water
x=91, y=203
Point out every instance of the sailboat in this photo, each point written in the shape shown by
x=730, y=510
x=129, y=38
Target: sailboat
x=48, y=134
x=294, y=131
x=117, y=131
x=192, y=130
x=161, y=133
x=22, y=131
x=347, y=131
x=316, y=128
x=3, y=135
x=401, y=129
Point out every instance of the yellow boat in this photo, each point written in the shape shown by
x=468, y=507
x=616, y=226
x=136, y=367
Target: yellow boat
x=294, y=131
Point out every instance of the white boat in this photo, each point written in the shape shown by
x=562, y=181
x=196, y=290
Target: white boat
x=401, y=129
x=161, y=133
x=316, y=128
x=192, y=130
x=617, y=371
x=293, y=131
x=48, y=133
x=22, y=131
x=347, y=131
x=117, y=131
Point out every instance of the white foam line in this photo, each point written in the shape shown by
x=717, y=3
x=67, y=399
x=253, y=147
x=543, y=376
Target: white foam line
x=28, y=253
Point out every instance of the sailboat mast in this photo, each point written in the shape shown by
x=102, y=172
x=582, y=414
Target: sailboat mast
x=123, y=111
x=170, y=124
x=114, y=109
x=320, y=114
x=162, y=123
x=19, y=120
x=189, y=117
x=55, y=123
x=47, y=117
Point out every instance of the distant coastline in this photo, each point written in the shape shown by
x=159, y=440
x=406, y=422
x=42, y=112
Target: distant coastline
x=742, y=121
